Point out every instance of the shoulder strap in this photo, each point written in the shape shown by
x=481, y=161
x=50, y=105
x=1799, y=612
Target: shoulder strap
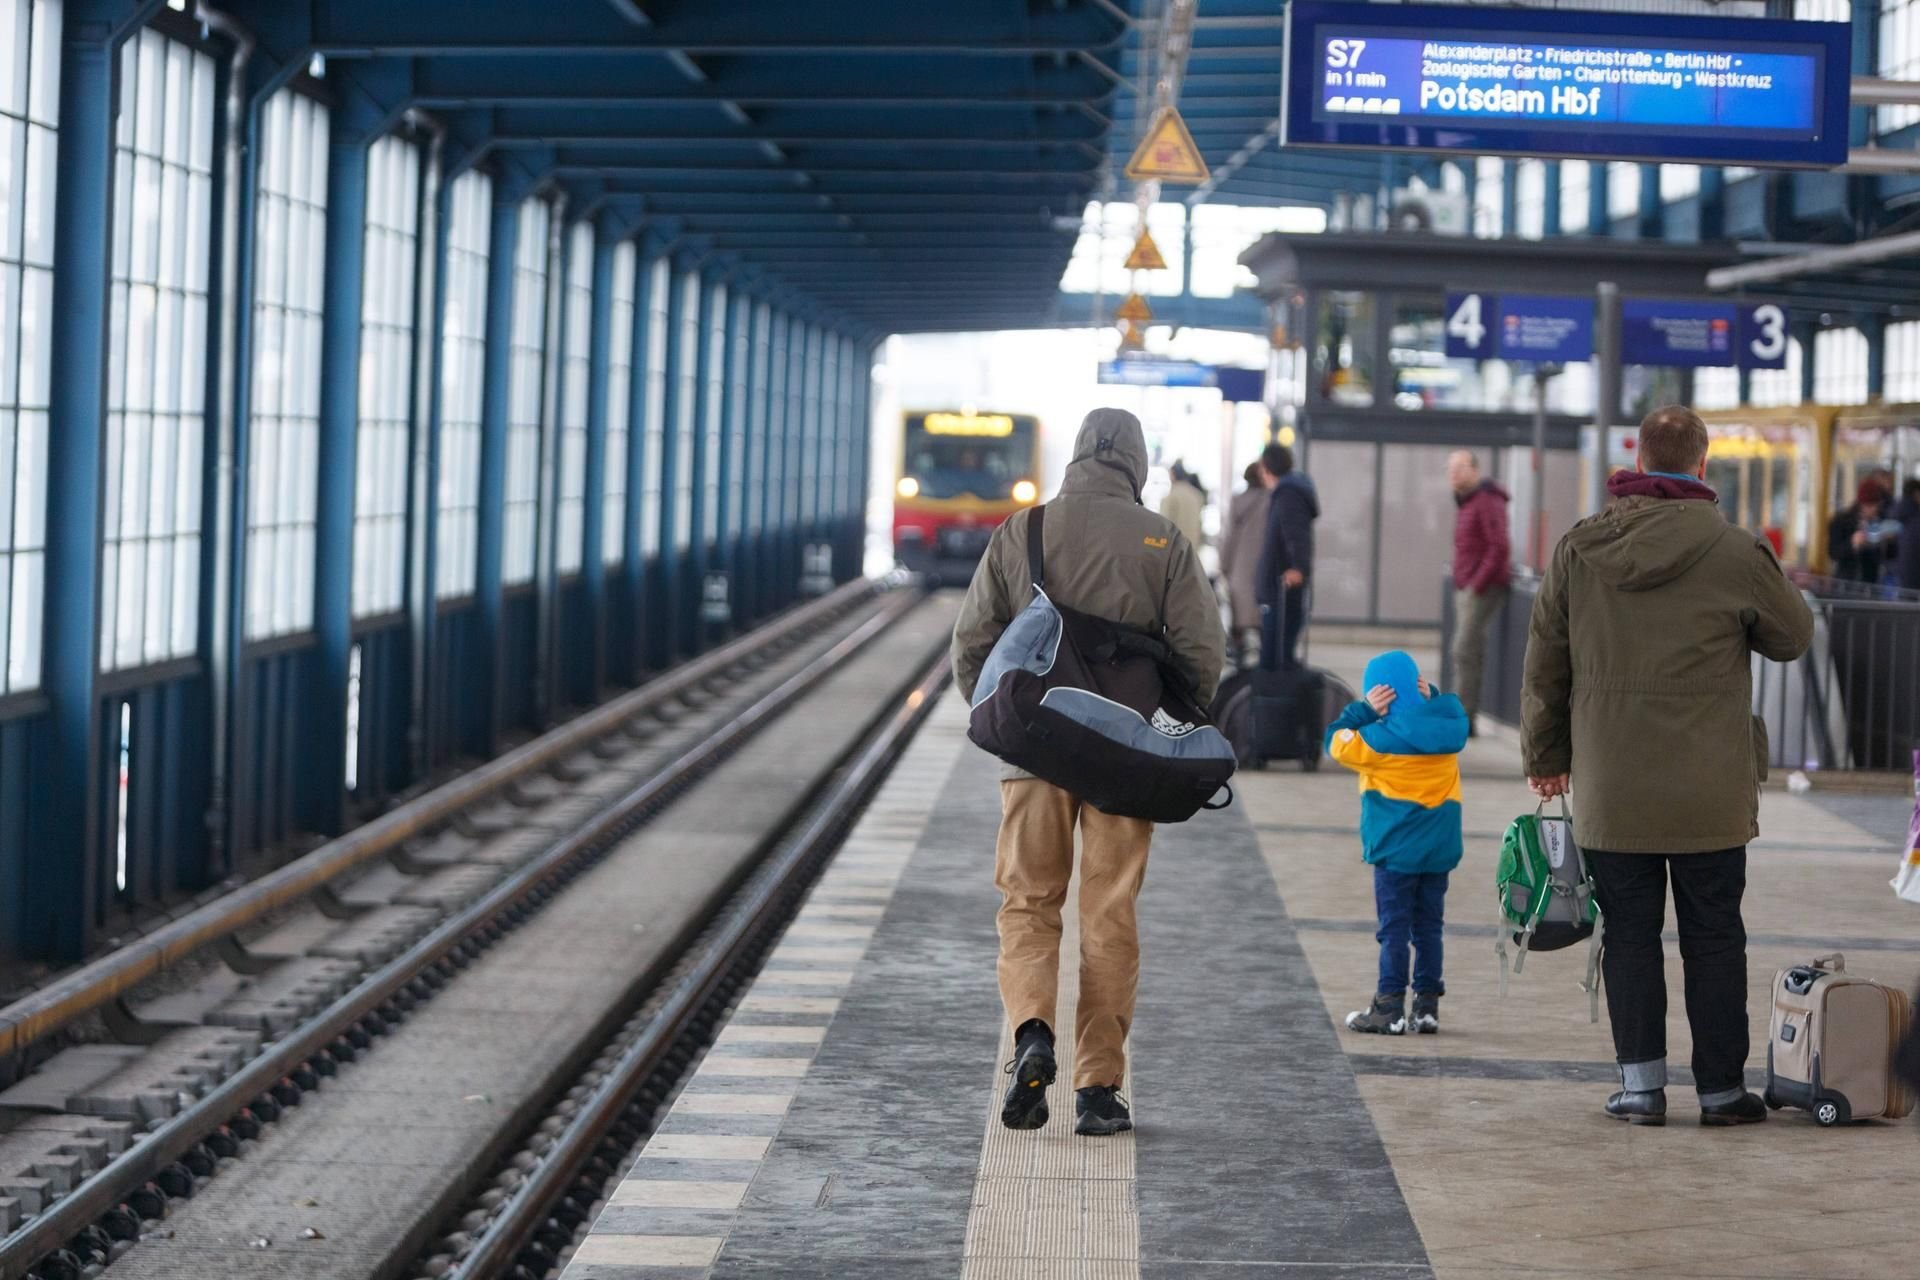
x=1036, y=553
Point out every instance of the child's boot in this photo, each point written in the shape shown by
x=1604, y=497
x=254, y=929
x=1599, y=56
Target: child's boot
x=1426, y=1012
x=1387, y=1016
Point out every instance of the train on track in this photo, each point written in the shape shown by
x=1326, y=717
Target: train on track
x=1783, y=472
x=962, y=473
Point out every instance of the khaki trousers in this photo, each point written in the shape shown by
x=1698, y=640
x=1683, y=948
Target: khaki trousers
x=1032, y=865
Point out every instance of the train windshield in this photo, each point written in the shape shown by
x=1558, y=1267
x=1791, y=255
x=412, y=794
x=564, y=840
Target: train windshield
x=952, y=455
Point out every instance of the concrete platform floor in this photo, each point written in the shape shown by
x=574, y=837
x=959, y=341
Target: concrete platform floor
x=845, y=1126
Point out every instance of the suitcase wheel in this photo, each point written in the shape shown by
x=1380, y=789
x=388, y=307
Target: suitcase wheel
x=1829, y=1114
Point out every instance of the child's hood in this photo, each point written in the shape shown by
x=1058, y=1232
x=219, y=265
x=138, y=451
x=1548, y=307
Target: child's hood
x=1396, y=669
x=1435, y=726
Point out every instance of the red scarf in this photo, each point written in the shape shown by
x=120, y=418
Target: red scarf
x=1638, y=484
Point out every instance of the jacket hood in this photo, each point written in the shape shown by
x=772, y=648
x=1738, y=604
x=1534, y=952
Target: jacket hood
x=1396, y=669
x=1109, y=456
x=1435, y=726
x=1302, y=485
x=1484, y=487
x=1640, y=542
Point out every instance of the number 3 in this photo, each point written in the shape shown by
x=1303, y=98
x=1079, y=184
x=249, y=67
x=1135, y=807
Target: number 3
x=1772, y=323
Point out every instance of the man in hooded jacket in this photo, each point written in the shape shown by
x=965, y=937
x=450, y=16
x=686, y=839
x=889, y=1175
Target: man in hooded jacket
x=1638, y=688
x=1108, y=556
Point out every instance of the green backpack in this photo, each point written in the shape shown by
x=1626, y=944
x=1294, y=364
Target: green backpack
x=1547, y=899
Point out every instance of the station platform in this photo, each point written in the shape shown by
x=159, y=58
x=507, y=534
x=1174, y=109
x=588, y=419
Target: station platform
x=845, y=1122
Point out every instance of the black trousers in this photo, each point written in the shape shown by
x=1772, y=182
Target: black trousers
x=1280, y=628
x=1707, y=888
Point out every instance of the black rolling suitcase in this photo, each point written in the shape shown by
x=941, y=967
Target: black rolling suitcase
x=1279, y=714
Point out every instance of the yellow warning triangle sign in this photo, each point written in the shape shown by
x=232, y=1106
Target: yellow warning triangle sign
x=1134, y=308
x=1145, y=255
x=1167, y=152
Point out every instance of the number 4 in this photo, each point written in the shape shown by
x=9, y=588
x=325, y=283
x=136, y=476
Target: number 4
x=1465, y=323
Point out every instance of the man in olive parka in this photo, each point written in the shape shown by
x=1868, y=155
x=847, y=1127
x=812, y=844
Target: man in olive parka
x=1108, y=556
x=1638, y=697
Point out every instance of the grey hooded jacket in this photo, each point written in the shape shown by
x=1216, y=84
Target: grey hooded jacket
x=1106, y=555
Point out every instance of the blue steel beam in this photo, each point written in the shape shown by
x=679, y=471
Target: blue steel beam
x=62, y=875
x=700, y=125
x=369, y=28
x=323, y=772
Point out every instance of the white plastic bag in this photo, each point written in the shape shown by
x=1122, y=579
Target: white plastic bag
x=1906, y=881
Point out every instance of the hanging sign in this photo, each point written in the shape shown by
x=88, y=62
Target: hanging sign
x=1134, y=309
x=1145, y=255
x=1627, y=86
x=1519, y=326
x=1132, y=336
x=1167, y=152
x=1702, y=334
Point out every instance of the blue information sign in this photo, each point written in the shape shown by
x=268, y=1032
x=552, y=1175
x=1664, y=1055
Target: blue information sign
x=1702, y=334
x=1158, y=373
x=1519, y=326
x=1629, y=86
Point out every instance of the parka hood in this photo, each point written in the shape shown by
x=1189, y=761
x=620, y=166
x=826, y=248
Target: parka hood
x=1109, y=456
x=1639, y=543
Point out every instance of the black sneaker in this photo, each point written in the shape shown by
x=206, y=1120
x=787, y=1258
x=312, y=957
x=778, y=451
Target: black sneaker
x=1101, y=1111
x=1386, y=1016
x=1032, y=1070
x=1639, y=1106
x=1745, y=1109
x=1426, y=1012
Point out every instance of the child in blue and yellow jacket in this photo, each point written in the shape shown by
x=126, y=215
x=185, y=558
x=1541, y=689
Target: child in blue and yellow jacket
x=1404, y=740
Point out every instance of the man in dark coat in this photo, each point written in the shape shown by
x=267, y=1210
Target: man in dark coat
x=1908, y=514
x=1286, y=558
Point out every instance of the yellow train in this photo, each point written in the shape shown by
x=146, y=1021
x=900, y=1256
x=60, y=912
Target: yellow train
x=1784, y=472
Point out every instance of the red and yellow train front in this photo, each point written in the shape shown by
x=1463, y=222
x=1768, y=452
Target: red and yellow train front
x=961, y=474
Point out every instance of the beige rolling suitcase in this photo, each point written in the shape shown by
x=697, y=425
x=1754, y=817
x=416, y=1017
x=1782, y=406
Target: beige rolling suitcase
x=1830, y=1044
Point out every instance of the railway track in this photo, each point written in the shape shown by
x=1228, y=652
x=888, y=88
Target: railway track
x=323, y=962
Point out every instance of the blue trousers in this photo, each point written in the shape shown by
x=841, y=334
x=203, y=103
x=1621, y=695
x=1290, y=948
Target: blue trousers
x=1412, y=910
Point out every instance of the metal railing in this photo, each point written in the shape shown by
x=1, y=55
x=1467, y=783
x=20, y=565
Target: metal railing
x=1851, y=702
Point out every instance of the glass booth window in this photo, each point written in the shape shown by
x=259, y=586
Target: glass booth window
x=613, y=516
x=1530, y=198
x=29, y=119
x=1576, y=177
x=1840, y=366
x=1343, y=348
x=1489, y=194
x=283, y=430
x=386, y=377
x=1902, y=376
x=526, y=369
x=463, y=361
x=1899, y=56
x=1623, y=190
x=1774, y=388
x=1423, y=376
x=157, y=350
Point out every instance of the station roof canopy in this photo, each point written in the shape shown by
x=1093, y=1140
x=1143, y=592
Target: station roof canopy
x=903, y=166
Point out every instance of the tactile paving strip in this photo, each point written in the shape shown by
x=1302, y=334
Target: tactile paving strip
x=672, y=1212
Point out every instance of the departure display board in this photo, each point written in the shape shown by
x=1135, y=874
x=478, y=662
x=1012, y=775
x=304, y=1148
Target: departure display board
x=1636, y=86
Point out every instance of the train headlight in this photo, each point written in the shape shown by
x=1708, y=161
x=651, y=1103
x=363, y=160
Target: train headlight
x=908, y=487
x=1025, y=491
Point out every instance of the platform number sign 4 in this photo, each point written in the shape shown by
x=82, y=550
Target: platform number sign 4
x=1467, y=332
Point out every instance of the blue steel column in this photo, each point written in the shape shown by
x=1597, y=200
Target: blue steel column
x=1653, y=211
x=593, y=560
x=632, y=660
x=1599, y=180
x=863, y=442
x=323, y=773
x=1874, y=328
x=1713, y=202
x=546, y=564
x=1550, y=200
x=693, y=568
x=774, y=508
x=63, y=876
x=737, y=462
x=424, y=514
x=663, y=624
x=493, y=456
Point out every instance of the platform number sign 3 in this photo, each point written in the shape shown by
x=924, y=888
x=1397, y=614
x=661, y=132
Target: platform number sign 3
x=1767, y=340
x=1467, y=332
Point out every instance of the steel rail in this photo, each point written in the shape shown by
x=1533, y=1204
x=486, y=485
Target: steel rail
x=93, y=985
x=140, y=1163
x=497, y=1247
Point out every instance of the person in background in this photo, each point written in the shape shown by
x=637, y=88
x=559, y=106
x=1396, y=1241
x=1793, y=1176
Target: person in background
x=1907, y=557
x=1286, y=558
x=1482, y=571
x=1404, y=740
x=1108, y=556
x=1185, y=504
x=1638, y=688
x=1854, y=546
x=1240, y=558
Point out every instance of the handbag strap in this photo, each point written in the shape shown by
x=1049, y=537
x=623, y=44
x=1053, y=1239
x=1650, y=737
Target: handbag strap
x=1036, y=551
